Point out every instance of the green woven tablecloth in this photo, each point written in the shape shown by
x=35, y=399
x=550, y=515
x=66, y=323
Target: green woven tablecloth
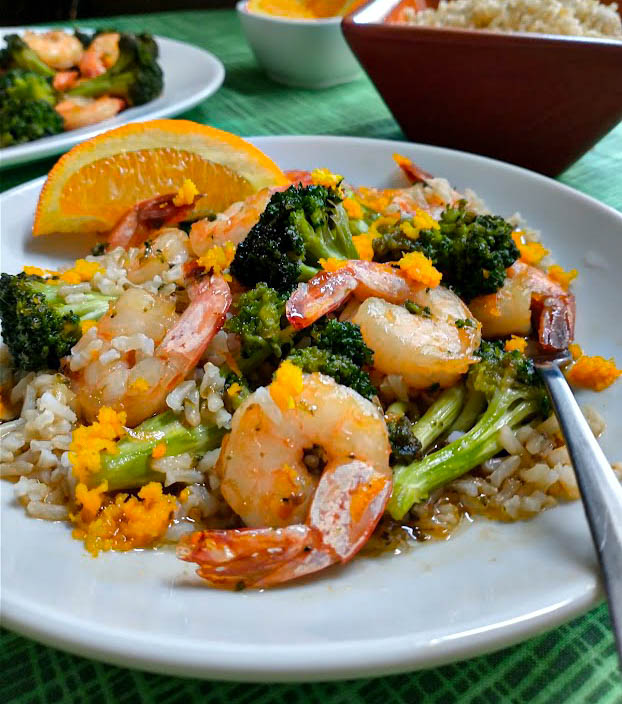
x=574, y=663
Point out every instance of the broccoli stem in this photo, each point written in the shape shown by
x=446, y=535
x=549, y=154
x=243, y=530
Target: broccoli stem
x=414, y=482
x=130, y=467
x=472, y=409
x=439, y=416
x=397, y=408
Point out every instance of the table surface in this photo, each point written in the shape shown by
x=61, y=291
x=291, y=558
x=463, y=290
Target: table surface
x=574, y=663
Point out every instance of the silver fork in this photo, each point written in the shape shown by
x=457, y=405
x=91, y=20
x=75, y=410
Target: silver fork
x=600, y=489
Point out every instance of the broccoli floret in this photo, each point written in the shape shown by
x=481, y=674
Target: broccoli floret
x=17, y=54
x=26, y=85
x=262, y=326
x=405, y=447
x=38, y=326
x=471, y=251
x=343, y=338
x=26, y=112
x=338, y=350
x=130, y=466
x=298, y=227
x=136, y=76
x=513, y=394
x=341, y=368
x=25, y=120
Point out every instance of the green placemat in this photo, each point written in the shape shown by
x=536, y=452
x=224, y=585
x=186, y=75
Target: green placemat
x=575, y=663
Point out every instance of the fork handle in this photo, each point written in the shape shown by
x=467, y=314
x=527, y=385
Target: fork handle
x=600, y=489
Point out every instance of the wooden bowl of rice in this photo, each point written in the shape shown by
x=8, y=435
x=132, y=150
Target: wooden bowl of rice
x=496, y=82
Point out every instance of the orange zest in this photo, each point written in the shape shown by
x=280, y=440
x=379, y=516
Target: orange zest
x=562, y=277
x=419, y=268
x=595, y=373
x=287, y=385
x=530, y=252
x=516, y=343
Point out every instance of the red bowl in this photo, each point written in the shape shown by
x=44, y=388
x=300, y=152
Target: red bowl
x=540, y=101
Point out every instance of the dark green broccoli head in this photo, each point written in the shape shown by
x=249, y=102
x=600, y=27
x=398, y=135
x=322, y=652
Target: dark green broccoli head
x=261, y=324
x=37, y=325
x=36, y=333
x=343, y=338
x=299, y=226
x=26, y=85
x=17, y=54
x=471, y=251
x=341, y=368
x=136, y=76
x=405, y=446
x=25, y=120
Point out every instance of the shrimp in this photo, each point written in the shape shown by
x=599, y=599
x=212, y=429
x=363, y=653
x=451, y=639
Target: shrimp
x=230, y=226
x=123, y=370
x=425, y=349
x=65, y=80
x=298, y=522
x=81, y=112
x=168, y=250
x=101, y=54
x=146, y=217
x=236, y=222
x=55, y=48
x=528, y=298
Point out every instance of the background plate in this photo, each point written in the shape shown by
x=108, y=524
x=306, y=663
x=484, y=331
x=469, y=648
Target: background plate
x=190, y=75
x=489, y=586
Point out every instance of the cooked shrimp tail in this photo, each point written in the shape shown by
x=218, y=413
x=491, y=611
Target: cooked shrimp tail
x=528, y=300
x=149, y=215
x=348, y=503
x=554, y=318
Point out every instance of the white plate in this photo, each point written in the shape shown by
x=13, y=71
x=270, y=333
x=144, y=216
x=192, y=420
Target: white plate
x=191, y=74
x=489, y=586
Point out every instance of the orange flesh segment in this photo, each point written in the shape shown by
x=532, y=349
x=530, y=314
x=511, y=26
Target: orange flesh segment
x=104, y=184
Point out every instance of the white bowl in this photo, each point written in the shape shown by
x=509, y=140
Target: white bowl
x=299, y=53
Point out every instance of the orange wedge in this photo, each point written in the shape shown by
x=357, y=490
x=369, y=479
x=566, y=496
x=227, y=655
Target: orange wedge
x=96, y=182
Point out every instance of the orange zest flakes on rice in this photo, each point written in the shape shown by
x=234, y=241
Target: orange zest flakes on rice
x=186, y=194
x=515, y=343
x=159, y=451
x=218, y=259
x=88, y=441
x=332, y=264
x=86, y=325
x=286, y=385
x=419, y=268
x=595, y=373
x=353, y=208
x=562, y=277
x=323, y=177
x=530, y=252
x=90, y=499
x=81, y=271
x=128, y=522
x=363, y=244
